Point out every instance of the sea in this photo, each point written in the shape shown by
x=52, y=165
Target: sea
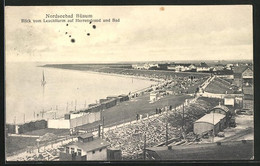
x=65, y=90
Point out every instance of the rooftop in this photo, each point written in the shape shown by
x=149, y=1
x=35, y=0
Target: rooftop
x=222, y=107
x=208, y=118
x=203, y=64
x=112, y=96
x=86, y=135
x=97, y=143
x=240, y=69
x=123, y=95
x=248, y=97
x=108, y=101
x=208, y=151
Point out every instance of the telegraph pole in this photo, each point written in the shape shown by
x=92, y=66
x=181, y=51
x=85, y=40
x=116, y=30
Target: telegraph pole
x=42, y=112
x=183, y=121
x=166, y=127
x=99, y=133
x=103, y=125
x=183, y=117
x=213, y=128
x=144, y=145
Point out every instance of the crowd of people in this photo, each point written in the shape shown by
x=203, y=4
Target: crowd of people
x=131, y=138
x=185, y=85
x=219, y=85
x=46, y=155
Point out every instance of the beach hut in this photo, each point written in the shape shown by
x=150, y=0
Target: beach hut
x=154, y=96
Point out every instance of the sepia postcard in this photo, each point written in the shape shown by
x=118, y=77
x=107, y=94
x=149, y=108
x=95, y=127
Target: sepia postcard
x=129, y=83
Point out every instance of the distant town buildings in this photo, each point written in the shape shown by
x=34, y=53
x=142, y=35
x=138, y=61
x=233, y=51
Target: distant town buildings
x=145, y=66
x=224, y=70
x=218, y=68
x=203, y=67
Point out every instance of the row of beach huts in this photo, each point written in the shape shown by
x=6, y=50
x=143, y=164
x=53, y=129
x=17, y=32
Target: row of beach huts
x=90, y=115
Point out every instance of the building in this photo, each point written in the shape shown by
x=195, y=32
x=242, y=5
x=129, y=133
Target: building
x=123, y=98
x=243, y=76
x=145, y=66
x=86, y=148
x=138, y=66
x=221, y=109
x=154, y=96
x=171, y=67
x=207, y=122
x=228, y=77
x=229, y=66
x=235, y=150
x=74, y=120
x=192, y=67
x=217, y=117
x=229, y=101
x=108, y=103
x=248, y=102
x=115, y=98
x=218, y=68
x=182, y=67
x=203, y=67
x=114, y=154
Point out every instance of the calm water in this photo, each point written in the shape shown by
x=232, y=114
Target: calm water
x=65, y=89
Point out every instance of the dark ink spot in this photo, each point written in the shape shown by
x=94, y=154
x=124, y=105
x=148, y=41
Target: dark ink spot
x=66, y=32
x=67, y=24
x=88, y=34
x=94, y=26
x=90, y=22
x=69, y=35
x=72, y=40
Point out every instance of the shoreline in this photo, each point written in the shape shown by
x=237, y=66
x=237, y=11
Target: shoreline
x=154, y=83
x=109, y=74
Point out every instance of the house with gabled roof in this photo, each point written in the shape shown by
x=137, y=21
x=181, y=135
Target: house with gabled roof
x=86, y=148
x=243, y=76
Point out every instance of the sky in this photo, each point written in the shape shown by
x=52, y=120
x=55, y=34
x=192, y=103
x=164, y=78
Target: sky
x=144, y=33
